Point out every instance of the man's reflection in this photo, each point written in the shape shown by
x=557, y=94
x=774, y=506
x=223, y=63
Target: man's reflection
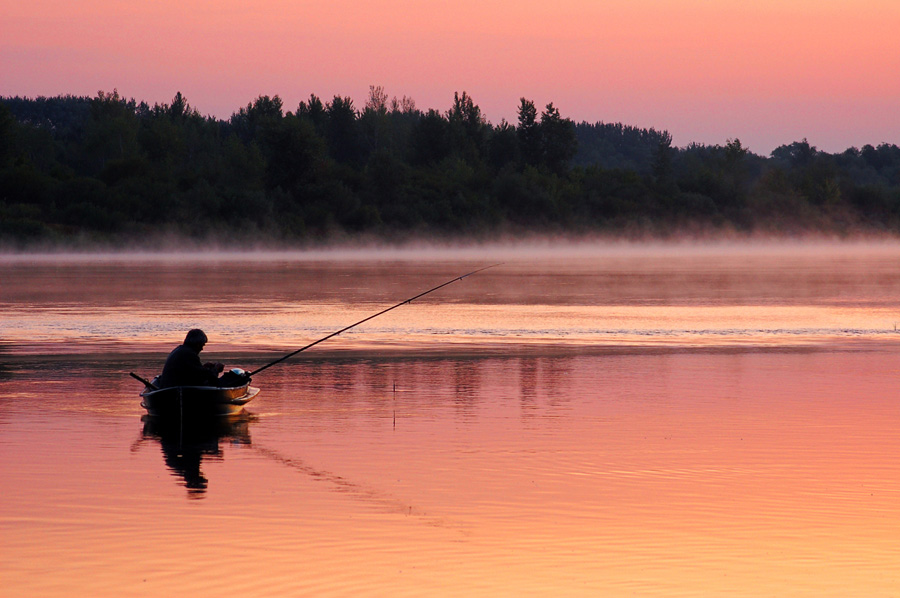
x=184, y=446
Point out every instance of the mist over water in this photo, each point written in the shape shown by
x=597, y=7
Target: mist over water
x=582, y=420
x=566, y=296
x=499, y=248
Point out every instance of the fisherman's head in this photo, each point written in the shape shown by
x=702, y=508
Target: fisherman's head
x=195, y=339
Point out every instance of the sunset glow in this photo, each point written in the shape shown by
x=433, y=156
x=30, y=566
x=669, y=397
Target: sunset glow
x=768, y=72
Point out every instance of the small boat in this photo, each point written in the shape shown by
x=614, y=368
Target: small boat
x=194, y=402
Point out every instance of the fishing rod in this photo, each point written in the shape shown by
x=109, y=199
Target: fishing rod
x=146, y=382
x=384, y=311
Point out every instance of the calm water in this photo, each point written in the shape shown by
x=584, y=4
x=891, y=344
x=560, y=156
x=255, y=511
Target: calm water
x=603, y=422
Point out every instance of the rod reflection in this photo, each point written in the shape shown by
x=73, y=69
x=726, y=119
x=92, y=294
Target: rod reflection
x=185, y=447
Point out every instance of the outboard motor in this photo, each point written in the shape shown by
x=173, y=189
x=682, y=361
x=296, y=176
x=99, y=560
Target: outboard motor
x=234, y=377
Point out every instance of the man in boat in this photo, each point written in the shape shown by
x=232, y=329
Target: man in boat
x=183, y=366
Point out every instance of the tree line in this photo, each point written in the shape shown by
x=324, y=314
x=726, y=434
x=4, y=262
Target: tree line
x=106, y=169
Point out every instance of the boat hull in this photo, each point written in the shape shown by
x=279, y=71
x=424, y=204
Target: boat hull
x=189, y=402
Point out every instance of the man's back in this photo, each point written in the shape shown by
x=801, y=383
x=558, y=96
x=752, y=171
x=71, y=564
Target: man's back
x=183, y=368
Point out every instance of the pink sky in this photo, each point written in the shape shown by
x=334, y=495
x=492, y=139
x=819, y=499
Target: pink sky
x=767, y=72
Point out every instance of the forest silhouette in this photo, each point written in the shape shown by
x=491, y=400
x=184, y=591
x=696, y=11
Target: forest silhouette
x=76, y=171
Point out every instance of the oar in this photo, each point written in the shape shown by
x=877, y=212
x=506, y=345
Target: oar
x=147, y=383
x=384, y=311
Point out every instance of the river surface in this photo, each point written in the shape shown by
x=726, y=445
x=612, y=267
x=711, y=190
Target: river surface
x=595, y=421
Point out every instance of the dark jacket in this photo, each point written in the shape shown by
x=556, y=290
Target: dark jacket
x=183, y=368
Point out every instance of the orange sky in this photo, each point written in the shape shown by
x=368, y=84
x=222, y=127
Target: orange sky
x=768, y=72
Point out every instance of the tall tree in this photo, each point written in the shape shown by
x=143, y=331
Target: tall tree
x=529, y=133
x=467, y=127
x=180, y=107
x=662, y=160
x=377, y=101
x=113, y=129
x=343, y=134
x=259, y=114
x=313, y=110
x=558, y=141
x=374, y=120
x=430, y=139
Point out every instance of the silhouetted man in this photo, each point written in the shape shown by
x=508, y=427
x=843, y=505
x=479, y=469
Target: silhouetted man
x=183, y=367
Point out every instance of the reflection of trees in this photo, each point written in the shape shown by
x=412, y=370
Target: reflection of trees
x=547, y=376
x=466, y=382
x=186, y=444
x=408, y=383
x=528, y=383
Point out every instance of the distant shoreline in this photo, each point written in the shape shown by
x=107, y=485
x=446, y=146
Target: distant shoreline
x=108, y=173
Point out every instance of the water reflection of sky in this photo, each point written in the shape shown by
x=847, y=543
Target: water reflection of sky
x=458, y=445
x=656, y=473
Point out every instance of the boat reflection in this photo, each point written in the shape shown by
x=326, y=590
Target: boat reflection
x=185, y=447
